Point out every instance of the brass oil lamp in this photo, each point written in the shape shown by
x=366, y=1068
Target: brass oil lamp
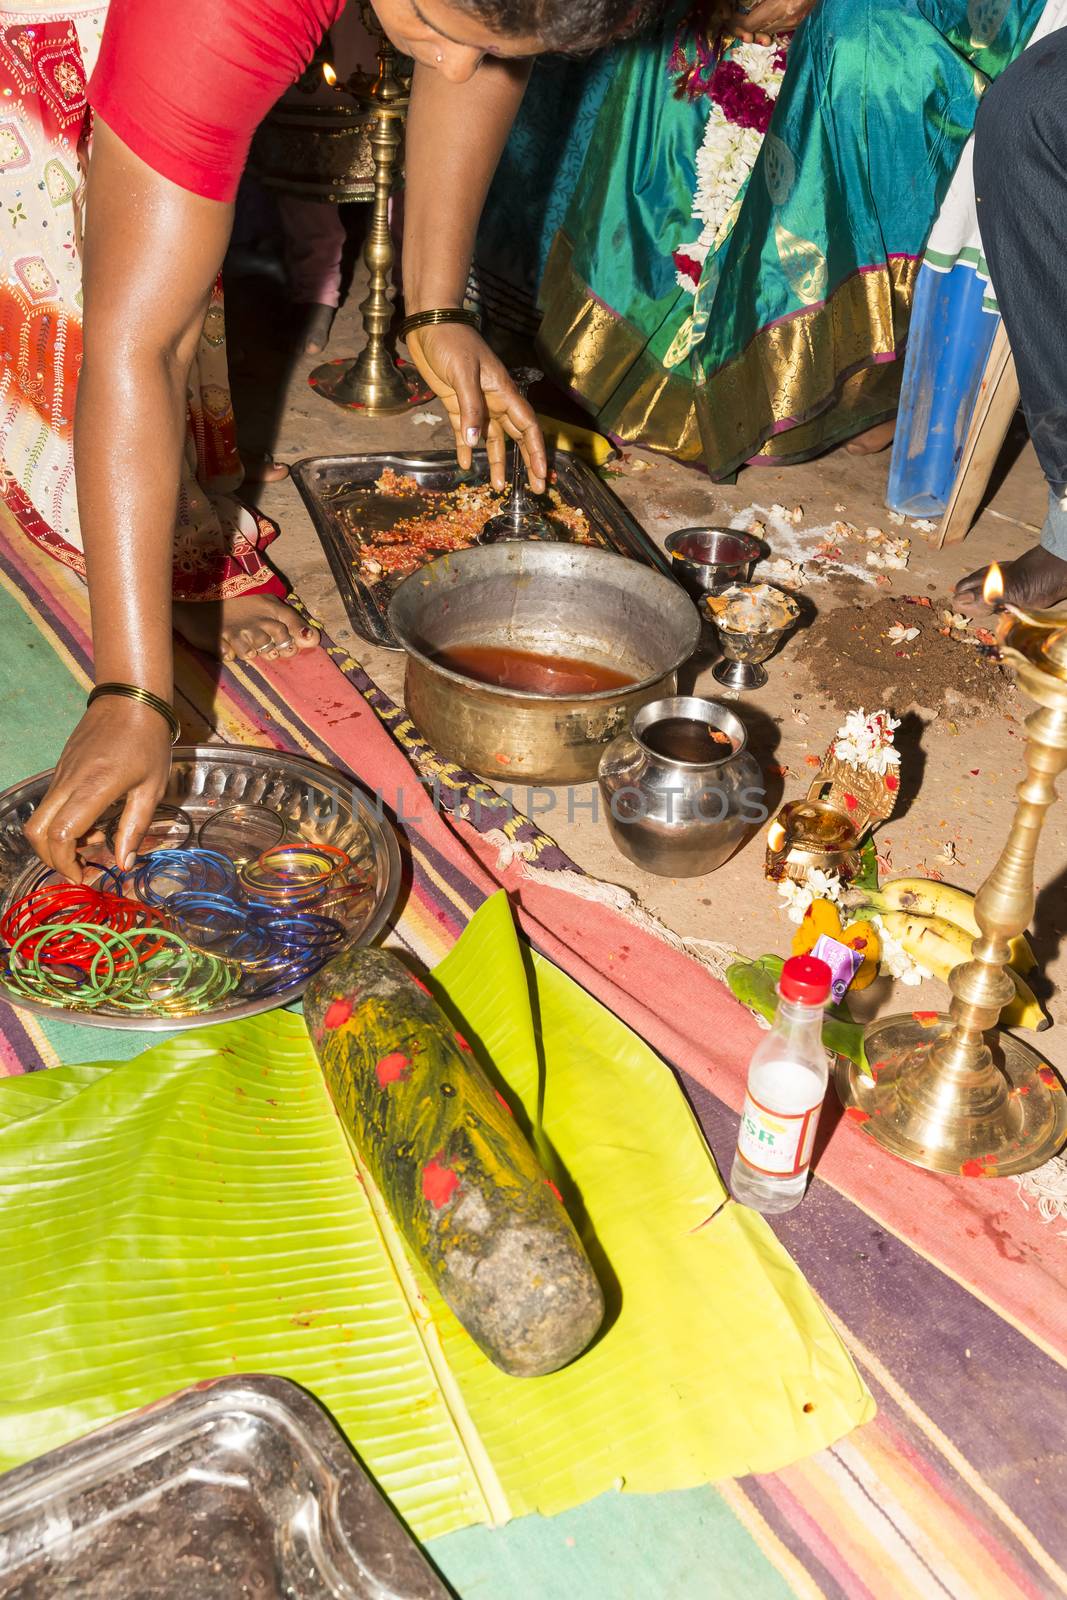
x=374, y=382
x=953, y=1093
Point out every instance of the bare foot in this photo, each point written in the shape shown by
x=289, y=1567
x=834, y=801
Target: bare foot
x=263, y=469
x=1037, y=580
x=875, y=439
x=250, y=626
x=315, y=323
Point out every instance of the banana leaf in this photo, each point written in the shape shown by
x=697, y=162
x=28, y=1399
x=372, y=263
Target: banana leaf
x=755, y=984
x=198, y=1210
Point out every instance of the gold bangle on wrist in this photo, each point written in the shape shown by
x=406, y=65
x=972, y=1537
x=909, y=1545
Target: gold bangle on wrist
x=430, y=319
x=144, y=697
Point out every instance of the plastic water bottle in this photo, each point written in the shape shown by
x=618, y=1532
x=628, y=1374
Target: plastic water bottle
x=787, y=1080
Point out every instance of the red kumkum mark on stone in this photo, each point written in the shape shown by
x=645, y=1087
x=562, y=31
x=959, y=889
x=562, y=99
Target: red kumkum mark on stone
x=337, y=1013
x=439, y=1183
x=503, y=1102
x=420, y=985
x=461, y=1041
x=392, y=1068
x=550, y=1185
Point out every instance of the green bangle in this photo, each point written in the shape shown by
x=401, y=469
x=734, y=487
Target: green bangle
x=430, y=319
x=144, y=697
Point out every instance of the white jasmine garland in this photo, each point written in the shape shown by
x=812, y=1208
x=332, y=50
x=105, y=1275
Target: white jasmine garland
x=727, y=155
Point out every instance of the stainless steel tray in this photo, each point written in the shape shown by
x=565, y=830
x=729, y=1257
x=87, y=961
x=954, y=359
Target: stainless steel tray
x=322, y=479
x=241, y=1487
x=317, y=803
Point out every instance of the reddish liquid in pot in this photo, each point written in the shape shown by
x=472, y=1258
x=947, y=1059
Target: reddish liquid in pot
x=529, y=672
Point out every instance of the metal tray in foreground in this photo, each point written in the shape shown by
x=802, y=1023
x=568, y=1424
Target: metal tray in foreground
x=333, y=485
x=238, y=1488
x=317, y=805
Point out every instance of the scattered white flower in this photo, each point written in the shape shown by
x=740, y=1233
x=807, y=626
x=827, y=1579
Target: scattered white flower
x=896, y=961
x=796, y=516
x=873, y=533
x=790, y=574
x=840, y=509
x=947, y=854
x=780, y=511
x=924, y=525
x=899, y=634
x=799, y=716
x=757, y=528
x=956, y=621
x=427, y=418
x=892, y=553
x=897, y=518
x=867, y=741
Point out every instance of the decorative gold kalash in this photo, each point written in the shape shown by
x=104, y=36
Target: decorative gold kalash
x=374, y=382
x=824, y=831
x=953, y=1093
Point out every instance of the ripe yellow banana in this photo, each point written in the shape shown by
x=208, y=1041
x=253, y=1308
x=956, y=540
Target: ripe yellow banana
x=939, y=945
x=925, y=898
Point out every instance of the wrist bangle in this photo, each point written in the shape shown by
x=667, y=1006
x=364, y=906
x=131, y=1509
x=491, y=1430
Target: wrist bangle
x=430, y=319
x=144, y=697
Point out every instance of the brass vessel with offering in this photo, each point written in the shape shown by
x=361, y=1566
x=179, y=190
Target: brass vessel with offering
x=824, y=831
x=953, y=1093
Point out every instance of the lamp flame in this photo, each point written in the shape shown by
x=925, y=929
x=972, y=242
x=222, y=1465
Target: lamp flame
x=993, y=587
x=775, y=836
x=329, y=74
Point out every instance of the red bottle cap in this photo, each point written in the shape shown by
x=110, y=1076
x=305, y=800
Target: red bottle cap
x=806, y=979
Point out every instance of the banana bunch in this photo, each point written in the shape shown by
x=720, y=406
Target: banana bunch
x=936, y=925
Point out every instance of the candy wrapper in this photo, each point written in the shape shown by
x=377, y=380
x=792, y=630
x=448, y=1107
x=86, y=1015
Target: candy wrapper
x=843, y=963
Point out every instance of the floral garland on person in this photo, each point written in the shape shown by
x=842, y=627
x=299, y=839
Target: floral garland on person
x=742, y=82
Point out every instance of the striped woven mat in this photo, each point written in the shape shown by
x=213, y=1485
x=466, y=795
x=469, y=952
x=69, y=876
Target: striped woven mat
x=948, y=1293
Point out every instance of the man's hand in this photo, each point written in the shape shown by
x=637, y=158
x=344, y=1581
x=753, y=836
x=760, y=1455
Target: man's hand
x=118, y=750
x=480, y=399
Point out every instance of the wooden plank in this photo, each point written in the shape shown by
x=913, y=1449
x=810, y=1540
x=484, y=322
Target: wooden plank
x=998, y=401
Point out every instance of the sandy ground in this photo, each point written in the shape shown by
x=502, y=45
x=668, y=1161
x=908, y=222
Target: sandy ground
x=968, y=770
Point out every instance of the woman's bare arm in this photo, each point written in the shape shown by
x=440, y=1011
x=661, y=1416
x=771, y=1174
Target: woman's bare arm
x=152, y=254
x=456, y=132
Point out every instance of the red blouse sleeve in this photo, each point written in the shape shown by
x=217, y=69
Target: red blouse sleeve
x=185, y=83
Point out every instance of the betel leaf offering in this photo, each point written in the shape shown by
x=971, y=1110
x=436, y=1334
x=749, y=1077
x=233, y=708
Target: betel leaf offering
x=474, y=1205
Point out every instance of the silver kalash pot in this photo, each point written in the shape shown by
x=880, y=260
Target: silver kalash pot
x=680, y=816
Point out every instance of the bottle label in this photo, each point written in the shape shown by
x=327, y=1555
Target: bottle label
x=774, y=1142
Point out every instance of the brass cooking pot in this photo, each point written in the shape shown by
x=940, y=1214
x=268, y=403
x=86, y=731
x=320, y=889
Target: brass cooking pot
x=560, y=600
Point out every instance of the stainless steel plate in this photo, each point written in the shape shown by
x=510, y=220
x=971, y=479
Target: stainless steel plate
x=317, y=803
x=326, y=482
x=241, y=1487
